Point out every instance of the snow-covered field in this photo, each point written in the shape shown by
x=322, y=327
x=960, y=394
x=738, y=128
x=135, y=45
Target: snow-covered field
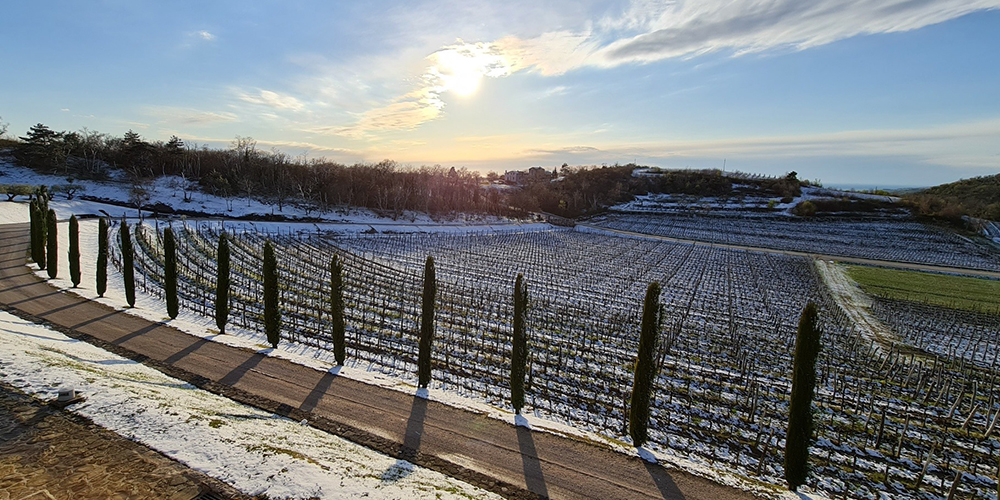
x=257, y=452
x=728, y=334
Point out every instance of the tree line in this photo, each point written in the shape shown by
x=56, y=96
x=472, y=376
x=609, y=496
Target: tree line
x=244, y=170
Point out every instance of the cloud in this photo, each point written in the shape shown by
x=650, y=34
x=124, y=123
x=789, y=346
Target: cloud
x=272, y=100
x=456, y=69
x=687, y=29
x=652, y=30
x=189, y=116
x=204, y=35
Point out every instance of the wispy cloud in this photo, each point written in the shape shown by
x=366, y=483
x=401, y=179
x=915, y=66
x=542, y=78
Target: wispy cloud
x=271, y=99
x=652, y=30
x=203, y=35
x=457, y=69
x=189, y=116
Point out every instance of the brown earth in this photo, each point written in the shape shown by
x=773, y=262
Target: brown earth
x=49, y=454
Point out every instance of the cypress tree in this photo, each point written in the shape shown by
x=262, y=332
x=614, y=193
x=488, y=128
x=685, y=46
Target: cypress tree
x=35, y=219
x=519, y=350
x=41, y=226
x=426, y=325
x=52, y=245
x=128, y=265
x=102, y=256
x=337, y=308
x=272, y=313
x=170, y=272
x=800, y=425
x=222, y=284
x=642, y=386
x=74, y=251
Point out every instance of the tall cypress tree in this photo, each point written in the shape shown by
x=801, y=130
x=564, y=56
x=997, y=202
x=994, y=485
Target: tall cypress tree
x=74, y=251
x=170, y=272
x=272, y=311
x=128, y=264
x=645, y=371
x=52, y=245
x=519, y=350
x=222, y=283
x=35, y=221
x=426, y=324
x=800, y=424
x=337, y=308
x=102, y=256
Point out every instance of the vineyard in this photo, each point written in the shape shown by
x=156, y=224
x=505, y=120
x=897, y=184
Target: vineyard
x=889, y=418
x=880, y=238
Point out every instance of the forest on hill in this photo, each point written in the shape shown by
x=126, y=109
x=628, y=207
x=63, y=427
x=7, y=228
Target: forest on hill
x=976, y=197
x=387, y=187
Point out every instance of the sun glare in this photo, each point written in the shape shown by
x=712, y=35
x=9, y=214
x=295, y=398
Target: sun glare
x=460, y=69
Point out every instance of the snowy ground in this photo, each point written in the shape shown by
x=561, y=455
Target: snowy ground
x=172, y=191
x=255, y=451
x=854, y=303
x=155, y=310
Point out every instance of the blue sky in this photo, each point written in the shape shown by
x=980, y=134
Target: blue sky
x=877, y=92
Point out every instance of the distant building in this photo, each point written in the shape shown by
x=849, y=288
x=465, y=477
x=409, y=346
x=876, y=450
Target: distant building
x=533, y=174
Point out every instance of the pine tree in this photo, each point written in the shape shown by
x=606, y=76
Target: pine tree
x=337, y=308
x=800, y=425
x=272, y=311
x=128, y=258
x=645, y=371
x=170, y=272
x=74, y=251
x=102, y=256
x=519, y=350
x=222, y=284
x=52, y=245
x=426, y=325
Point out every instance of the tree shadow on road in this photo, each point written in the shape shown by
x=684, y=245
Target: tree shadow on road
x=411, y=440
x=534, y=479
x=237, y=373
x=661, y=478
x=312, y=400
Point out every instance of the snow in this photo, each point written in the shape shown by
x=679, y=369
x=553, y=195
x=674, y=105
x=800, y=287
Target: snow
x=154, y=309
x=173, y=190
x=257, y=452
x=855, y=303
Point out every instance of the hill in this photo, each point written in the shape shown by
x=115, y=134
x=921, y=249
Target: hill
x=976, y=197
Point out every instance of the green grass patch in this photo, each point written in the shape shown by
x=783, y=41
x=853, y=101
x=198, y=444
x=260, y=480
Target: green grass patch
x=955, y=292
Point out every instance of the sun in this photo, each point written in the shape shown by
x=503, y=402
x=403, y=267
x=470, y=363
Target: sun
x=460, y=73
x=464, y=82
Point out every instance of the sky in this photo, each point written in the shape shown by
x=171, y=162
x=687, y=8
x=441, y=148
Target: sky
x=864, y=92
